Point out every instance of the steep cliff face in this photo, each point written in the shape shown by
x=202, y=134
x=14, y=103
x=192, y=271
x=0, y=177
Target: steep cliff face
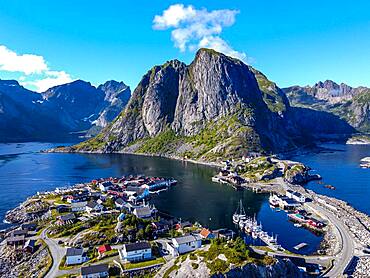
x=211, y=108
x=117, y=95
x=348, y=103
x=215, y=108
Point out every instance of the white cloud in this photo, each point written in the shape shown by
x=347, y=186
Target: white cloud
x=36, y=73
x=220, y=45
x=25, y=63
x=193, y=29
x=51, y=79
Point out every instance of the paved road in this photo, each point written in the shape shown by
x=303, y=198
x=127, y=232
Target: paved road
x=57, y=252
x=342, y=259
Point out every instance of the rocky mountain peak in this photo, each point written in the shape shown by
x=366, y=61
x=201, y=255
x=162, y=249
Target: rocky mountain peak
x=9, y=83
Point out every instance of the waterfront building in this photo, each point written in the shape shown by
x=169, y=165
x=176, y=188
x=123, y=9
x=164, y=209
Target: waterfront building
x=143, y=212
x=184, y=244
x=105, y=186
x=95, y=271
x=74, y=256
x=206, y=234
x=295, y=196
x=136, y=193
x=134, y=252
x=289, y=204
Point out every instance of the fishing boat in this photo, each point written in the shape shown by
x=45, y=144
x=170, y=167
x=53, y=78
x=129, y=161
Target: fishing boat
x=239, y=215
x=329, y=186
x=274, y=200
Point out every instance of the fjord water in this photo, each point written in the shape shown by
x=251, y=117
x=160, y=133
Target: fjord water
x=24, y=171
x=339, y=166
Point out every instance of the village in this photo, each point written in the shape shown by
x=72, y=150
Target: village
x=108, y=228
x=284, y=180
x=102, y=228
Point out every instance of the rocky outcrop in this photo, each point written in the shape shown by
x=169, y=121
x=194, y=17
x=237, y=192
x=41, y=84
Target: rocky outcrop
x=282, y=268
x=298, y=173
x=216, y=107
x=348, y=103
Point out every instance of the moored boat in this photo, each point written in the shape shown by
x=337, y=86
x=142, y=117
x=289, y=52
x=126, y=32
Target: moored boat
x=239, y=214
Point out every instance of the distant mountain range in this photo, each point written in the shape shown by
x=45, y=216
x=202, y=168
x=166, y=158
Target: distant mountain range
x=64, y=111
x=215, y=108
x=350, y=104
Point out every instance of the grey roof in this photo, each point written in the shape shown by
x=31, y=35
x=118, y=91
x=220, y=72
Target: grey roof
x=143, y=211
x=20, y=232
x=185, y=239
x=120, y=201
x=136, y=189
x=297, y=194
x=78, y=204
x=74, y=252
x=92, y=204
x=66, y=217
x=99, y=268
x=29, y=226
x=137, y=246
x=15, y=238
x=291, y=202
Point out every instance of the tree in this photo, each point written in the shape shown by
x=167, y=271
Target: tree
x=149, y=230
x=109, y=203
x=140, y=234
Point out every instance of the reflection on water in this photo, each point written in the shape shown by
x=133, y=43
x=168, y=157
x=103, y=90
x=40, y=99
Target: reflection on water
x=24, y=171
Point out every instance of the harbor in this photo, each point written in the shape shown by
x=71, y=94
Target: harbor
x=194, y=198
x=251, y=227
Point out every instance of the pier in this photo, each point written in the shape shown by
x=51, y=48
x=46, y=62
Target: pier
x=251, y=226
x=300, y=246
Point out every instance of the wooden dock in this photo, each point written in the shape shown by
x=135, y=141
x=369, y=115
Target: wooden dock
x=300, y=246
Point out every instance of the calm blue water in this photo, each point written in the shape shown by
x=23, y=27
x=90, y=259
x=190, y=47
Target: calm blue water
x=24, y=171
x=341, y=169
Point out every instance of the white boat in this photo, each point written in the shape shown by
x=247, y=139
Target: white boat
x=297, y=225
x=239, y=214
x=274, y=200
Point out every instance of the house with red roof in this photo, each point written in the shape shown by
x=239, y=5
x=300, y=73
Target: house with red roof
x=206, y=234
x=104, y=248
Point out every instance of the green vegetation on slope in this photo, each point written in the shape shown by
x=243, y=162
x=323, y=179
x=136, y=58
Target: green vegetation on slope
x=236, y=253
x=94, y=144
x=271, y=96
x=225, y=138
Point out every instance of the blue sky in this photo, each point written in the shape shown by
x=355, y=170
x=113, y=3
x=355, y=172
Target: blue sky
x=292, y=42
